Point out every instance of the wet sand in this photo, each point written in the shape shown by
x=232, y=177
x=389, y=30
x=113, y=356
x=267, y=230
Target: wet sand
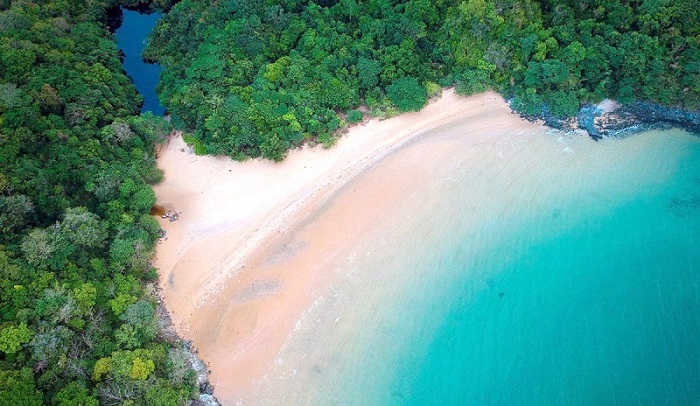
x=257, y=241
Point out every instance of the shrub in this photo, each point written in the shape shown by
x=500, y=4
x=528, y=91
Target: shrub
x=433, y=89
x=196, y=144
x=355, y=116
x=407, y=94
x=472, y=81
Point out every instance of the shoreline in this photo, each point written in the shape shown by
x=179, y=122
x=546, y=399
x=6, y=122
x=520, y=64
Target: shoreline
x=255, y=241
x=608, y=119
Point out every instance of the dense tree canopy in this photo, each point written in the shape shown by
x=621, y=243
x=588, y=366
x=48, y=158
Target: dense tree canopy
x=255, y=77
x=76, y=163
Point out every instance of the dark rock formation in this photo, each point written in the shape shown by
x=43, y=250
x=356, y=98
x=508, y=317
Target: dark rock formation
x=635, y=117
x=625, y=120
x=206, y=388
x=167, y=332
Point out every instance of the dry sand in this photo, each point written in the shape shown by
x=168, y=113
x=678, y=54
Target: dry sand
x=257, y=239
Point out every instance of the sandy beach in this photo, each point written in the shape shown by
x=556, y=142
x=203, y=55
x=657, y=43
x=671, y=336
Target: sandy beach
x=256, y=241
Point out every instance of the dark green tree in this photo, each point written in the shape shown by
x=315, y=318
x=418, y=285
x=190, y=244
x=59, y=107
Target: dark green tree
x=407, y=94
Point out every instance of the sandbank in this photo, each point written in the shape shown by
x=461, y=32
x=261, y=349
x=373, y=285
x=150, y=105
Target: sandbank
x=257, y=240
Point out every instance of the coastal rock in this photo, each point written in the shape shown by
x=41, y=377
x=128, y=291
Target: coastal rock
x=167, y=333
x=201, y=369
x=638, y=116
x=206, y=388
x=653, y=113
x=563, y=124
x=586, y=120
x=609, y=119
x=204, y=400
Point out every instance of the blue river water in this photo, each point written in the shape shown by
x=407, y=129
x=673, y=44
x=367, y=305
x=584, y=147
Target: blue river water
x=131, y=38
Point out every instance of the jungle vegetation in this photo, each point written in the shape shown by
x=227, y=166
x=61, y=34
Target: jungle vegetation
x=78, y=319
x=253, y=78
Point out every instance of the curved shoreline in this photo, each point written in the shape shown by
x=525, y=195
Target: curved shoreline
x=176, y=195
x=226, y=265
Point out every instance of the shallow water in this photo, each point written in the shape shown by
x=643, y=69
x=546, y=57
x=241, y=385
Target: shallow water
x=539, y=269
x=131, y=38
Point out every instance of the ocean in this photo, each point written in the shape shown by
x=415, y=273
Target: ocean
x=541, y=269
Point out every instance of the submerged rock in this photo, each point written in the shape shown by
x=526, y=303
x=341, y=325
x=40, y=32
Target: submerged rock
x=685, y=207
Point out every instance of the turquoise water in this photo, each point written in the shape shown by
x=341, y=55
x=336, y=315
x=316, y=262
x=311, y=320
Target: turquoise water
x=541, y=271
x=131, y=38
x=603, y=309
x=606, y=314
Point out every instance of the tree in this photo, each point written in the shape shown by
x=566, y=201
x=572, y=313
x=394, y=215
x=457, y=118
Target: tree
x=141, y=369
x=162, y=394
x=119, y=131
x=85, y=296
x=18, y=388
x=140, y=325
x=75, y=394
x=13, y=337
x=49, y=100
x=550, y=74
x=82, y=228
x=102, y=367
x=14, y=211
x=354, y=116
x=407, y=94
x=48, y=346
x=368, y=71
x=40, y=247
x=472, y=81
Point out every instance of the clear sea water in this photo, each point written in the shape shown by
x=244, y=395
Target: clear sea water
x=542, y=270
x=131, y=38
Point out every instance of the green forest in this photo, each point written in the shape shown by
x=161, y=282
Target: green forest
x=78, y=319
x=251, y=78
x=246, y=78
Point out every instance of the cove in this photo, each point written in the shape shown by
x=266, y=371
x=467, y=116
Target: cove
x=131, y=38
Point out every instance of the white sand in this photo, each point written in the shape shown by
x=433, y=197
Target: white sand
x=234, y=284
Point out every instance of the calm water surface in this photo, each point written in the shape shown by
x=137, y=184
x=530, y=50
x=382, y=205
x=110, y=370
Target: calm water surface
x=131, y=38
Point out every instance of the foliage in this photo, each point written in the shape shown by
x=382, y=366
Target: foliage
x=472, y=81
x=407, y=94
x=76, y=168
x=354, y=116
x=75, y=394
x=17, y=388
x=196, y=143
x=258, y=78
x=433, y=89
x=12, y=338
x=251, y=79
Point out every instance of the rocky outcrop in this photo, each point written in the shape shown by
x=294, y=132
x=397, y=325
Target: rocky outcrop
x=167, y=333
x=609, y=119
x=206, y=390
x=638, y=116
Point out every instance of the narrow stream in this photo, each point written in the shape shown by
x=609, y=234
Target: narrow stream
x=131, y=39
